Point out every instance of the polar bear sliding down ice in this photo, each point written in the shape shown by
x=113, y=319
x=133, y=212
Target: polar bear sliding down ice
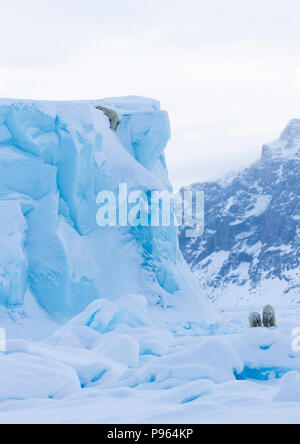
x=269, y=319
x=255, y=319
x=112, y=115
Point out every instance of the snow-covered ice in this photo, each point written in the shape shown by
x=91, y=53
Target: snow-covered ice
x=135, y=373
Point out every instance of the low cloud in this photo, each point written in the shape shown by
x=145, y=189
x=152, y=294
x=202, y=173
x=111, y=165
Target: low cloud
x=228, y=75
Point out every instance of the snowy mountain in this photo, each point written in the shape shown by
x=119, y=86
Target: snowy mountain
x=250, y=249
x=55, y=157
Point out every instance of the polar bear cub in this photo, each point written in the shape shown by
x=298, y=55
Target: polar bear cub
x=112, y=115
x=269, y=319
x=255, y=319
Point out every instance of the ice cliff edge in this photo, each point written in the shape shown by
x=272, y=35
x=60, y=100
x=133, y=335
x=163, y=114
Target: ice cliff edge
x=55, y=157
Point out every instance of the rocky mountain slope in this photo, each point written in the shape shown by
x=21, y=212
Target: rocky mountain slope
x=250, y=249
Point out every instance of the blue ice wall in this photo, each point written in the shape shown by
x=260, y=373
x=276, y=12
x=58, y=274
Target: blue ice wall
x=55, y=157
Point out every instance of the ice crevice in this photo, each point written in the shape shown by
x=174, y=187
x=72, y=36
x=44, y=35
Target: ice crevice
x=55, y=157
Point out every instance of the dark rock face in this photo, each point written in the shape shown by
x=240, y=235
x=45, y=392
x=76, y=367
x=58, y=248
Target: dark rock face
x=250, y=248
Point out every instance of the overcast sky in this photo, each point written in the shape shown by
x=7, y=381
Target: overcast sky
x=228, y=71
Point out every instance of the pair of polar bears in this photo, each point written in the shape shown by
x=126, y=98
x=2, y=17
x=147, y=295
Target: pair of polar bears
x=268, y=320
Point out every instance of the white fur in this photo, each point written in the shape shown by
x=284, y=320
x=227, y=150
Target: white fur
x=269, y=319
x=255, y=319
x=112, y=115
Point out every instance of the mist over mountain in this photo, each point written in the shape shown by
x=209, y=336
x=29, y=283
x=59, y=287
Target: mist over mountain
x=250, y=249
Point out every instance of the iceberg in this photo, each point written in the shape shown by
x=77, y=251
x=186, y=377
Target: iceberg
x=55, y=158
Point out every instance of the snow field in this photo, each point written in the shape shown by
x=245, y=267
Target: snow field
x=131, y=371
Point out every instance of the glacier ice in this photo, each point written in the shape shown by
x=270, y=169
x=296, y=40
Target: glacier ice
x=132, y=344
x=55, y=157
x=12, y=257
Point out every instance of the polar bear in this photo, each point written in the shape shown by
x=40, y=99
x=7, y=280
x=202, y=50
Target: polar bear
x=112, y=115
x=269, y=319
x=255, y=319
